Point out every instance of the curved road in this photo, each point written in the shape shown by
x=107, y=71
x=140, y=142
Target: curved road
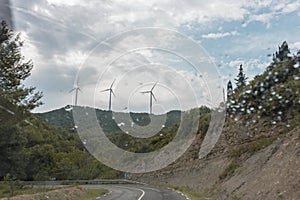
x=137, y=192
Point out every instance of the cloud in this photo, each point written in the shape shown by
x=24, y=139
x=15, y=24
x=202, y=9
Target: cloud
x=264, y=18
x=272, y=10
x=62, y=36
x=295, y=46
x=220, y=35
x=251, y=66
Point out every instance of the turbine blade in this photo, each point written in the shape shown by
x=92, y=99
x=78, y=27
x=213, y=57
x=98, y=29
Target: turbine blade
x=113, y=93
x=79, y=89
x=153, y=86
x=112, y=84
x=145, y=92
x=153, y=96
x=72, y=90
x=105, y=90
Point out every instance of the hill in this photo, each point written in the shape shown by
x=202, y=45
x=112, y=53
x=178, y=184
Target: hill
x=114, y=125
x=257, y=155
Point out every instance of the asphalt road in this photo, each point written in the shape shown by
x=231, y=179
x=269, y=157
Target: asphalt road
x=137, y=192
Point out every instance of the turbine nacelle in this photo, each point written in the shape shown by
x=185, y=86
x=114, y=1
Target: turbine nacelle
x=151, y=96
x=76, y=88
x=110, y=92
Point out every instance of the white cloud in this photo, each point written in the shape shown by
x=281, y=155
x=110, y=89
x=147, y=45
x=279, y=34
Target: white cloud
x=271, y=10
x=264, y=18
x=251, y=66
x=295, y=46
x=60, y=35
x=220, y=35
x=291, y=7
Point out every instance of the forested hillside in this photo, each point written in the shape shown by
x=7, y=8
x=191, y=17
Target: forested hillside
x=30, y=149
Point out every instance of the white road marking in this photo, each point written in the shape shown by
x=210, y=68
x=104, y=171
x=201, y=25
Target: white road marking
x=130, y=188
x=143, y=193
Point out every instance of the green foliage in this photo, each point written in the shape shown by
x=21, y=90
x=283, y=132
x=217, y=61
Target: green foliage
x=24, y=189
x=230, y=169
x=205, y=117
x=275, y=93
x=16, y=101
x=52, y=152
x=241, y=78
x=192, y=194
x=93, y=193
x=282, y=53
x=14, y=70
x=13, y=183
x=63, y=117
x=250, y=148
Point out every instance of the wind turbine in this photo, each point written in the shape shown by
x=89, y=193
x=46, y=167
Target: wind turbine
x=110, y=92
x=151, y=95
x=76, y=89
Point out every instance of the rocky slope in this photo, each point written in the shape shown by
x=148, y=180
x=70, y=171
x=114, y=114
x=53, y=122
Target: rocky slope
x=250, y=161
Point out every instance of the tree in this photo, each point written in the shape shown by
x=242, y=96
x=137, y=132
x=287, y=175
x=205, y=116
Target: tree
x=282, y=53
x=229, y=89
x=14, y=70
x=16, y=102
x=241, y=78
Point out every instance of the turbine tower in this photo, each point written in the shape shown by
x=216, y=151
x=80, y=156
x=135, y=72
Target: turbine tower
x=76, y=88
x=110, y=92
x=151, y=95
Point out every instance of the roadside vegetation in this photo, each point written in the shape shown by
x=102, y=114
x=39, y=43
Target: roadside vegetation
x=50, y=192
x=46, y=147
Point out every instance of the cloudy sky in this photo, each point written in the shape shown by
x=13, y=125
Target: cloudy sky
x=194, y=49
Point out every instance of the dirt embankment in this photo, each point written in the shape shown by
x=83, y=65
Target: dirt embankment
x=255, y=161
x=59, y=194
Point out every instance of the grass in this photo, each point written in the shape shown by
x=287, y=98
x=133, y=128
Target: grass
x=193, y=195
x=93, y=193
x=89, y=193
x=251, y=148
x=28, y=189
x=229, y=170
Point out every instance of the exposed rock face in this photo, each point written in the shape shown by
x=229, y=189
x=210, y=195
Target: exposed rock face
x=271, y=172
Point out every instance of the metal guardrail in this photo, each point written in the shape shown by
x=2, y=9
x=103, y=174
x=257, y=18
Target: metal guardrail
x=82, y=182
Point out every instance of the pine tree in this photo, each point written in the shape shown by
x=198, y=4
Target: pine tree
x=14, y=70
x=282, y=53
x=241, y=78
x=229, y=89
x=16, y=102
